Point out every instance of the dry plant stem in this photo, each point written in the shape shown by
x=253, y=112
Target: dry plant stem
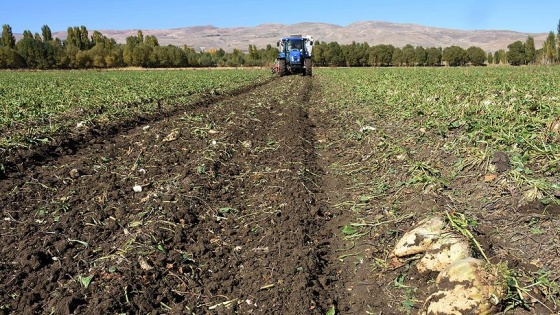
x=460, y=227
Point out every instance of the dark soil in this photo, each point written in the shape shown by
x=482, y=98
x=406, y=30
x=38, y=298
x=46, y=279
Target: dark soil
x=228, y=219
x=240, y=211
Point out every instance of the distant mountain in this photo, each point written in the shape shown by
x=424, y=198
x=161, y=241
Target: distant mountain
x=372, y=32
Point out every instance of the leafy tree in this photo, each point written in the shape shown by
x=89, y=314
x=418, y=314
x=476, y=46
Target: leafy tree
x=78, y=37
x=334, y=55
x=151, y=40
x=141, y=56
x=356, y=54
x=97, y=55
x=168, y=56
x=127, y=55
x=398, y=59
x=133, y=41
x=140, y=36
x=221, y=53
x=192, y=57
x=530, y=51
x=207, y=61
x=269, y=53
x=490, y=58
x=138, y=50
x=115, y=57
x=10, y=59
x=349, y=55
x=408, y=55
x=97, y=38
x=8, y=39
x=32, y=51
x=70, y=37
x=177, y=56
x=550, y=51
x=558, y=39
x=52, y=49
x=319, y=55
x=69, y=59
x=253, y=52
x=455, y=56
x=253, y=58
x=84, y=39
x=516, y=53
x=420, y=56
x=104, y=51
x=363, y=54
x=477, y=56
x=502, y=56
x=47, y=34
x=434, y=56
x=58, y=53
x=83, y=59
x=237, y=58
x=381, y=55
x=27, y=34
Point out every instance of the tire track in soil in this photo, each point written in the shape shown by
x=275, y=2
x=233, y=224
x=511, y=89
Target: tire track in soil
x=229, y=220
x=355, y=283
x=358, y=282
x=286, y=171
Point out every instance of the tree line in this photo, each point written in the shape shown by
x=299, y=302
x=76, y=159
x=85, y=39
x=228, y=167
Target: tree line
x=80, y=50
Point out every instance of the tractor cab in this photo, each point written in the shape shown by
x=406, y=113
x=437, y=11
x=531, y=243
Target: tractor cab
x=295, y=44
x=294, y=55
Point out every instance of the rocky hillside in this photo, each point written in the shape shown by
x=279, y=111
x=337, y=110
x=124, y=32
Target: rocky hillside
x=372, y=32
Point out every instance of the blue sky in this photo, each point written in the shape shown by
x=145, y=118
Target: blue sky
x=539, y=16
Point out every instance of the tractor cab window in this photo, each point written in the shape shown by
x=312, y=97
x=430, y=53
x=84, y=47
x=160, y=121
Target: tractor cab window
x=295, y=45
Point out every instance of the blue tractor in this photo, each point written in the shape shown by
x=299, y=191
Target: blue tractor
x=294, y=56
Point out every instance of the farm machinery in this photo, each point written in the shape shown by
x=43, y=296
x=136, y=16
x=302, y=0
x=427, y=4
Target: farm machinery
x=294, y=56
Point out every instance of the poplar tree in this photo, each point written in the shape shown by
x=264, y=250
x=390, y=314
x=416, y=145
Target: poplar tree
x=558, y=39
x=47, y=34
x=490, y=58
x=70, y=36
x=84, y=39
x=549, y=48
x=8, y=39
x=27, y=34
x=530, y=51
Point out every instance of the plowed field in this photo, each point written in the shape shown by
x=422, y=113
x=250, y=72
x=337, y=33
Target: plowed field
x=285, y=198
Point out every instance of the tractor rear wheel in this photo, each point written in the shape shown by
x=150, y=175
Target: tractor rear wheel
x=308, y=67
x=282, y=67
